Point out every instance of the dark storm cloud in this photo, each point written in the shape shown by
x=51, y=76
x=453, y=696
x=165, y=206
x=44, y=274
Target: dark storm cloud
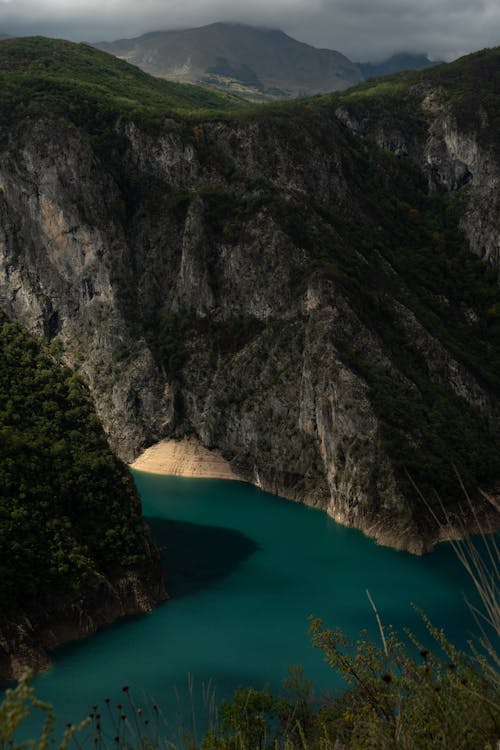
x=363, y=29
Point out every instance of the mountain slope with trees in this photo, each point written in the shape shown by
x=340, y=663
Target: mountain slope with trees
x=74, y=548
x=310, y=287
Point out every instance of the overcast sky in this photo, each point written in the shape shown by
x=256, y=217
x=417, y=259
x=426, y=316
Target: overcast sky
x=361, y=29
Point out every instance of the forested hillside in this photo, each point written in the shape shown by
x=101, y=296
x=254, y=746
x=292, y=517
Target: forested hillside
x=70, y=516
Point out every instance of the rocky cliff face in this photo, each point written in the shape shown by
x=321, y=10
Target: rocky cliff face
x=232, y=280
x=456, y=158
x=60, y=240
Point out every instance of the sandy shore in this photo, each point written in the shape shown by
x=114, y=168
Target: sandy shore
x=183, y=458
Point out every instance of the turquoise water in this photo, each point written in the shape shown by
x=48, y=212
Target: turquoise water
x=245, y=570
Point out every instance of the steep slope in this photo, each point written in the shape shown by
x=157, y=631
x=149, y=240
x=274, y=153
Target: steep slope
x=74, y=551
x=253, y=62
x=276, y=286
x=447, y=120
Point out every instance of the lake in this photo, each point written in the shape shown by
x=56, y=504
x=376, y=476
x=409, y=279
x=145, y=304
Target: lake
x=245, y=570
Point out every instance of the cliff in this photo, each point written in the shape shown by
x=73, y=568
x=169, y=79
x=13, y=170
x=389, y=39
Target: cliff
x=292, y=285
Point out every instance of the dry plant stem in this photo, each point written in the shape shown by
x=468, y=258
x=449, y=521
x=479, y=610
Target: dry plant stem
x=484, y=571
x=379, y=623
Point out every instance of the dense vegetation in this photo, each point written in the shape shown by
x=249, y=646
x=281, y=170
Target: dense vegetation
x=90, y=88
x=397, y=696
x=469, y=87
x=166, y=335
x=69, y=510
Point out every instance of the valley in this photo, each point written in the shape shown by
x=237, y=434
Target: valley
x=309, y=287
x=307, y=290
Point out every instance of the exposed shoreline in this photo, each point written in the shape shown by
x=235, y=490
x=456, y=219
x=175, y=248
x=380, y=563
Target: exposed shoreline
x=184, y=458
x=188, y=458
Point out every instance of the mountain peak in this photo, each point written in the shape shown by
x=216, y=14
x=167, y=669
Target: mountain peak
x=256, y=62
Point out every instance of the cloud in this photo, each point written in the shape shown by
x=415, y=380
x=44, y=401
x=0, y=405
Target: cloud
x=362, y=29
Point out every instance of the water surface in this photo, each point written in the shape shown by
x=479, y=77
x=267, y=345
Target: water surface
x=245, y=570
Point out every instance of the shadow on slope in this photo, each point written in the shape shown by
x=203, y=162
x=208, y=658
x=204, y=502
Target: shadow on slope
x=194, y=556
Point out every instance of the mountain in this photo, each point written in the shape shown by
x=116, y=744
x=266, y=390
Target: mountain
x=417, y=115
x=310, y=287
x=75, y=553
x=40, y=73
x=397, y=63
x=251, y=62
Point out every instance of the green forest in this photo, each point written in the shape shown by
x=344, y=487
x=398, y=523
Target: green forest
x=69, y=510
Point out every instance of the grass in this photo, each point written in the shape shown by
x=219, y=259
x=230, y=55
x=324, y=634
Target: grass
x=381, y=88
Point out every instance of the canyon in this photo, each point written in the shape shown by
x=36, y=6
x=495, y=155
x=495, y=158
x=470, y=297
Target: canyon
x=309, y=289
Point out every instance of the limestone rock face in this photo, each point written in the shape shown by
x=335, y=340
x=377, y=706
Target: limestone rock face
x=59, y=240
x=456, y=158
x=187, y=291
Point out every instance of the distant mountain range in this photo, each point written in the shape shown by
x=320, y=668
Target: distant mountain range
x=255, y=63
x=395, y=64
x=252, y=62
